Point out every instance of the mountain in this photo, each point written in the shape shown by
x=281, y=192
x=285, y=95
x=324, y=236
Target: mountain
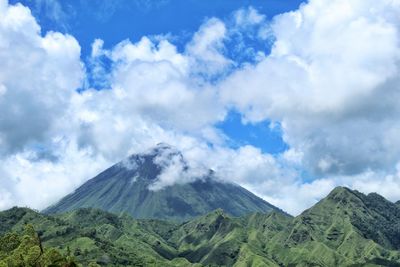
x=126, y=187
x=94, y=235
x=347, y=228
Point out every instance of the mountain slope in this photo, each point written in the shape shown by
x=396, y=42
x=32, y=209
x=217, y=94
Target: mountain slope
x=95, y=235
x=346, y=228
x=125, y=188
x=217, y=239
x=91, y=235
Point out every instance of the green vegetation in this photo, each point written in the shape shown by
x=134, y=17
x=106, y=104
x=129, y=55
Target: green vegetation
x=346, y=228
x=26, y=249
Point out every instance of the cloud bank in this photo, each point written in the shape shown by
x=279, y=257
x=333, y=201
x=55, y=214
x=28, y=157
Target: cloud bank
x=330, y=80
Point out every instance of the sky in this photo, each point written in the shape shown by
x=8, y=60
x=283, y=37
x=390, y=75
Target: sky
x=286, y=98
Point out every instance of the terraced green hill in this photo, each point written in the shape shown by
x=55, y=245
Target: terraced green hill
x=125, y=187
x=346, y=228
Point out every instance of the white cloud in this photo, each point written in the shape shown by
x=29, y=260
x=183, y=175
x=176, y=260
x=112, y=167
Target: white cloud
x=298, y=196
x=248, y=17
x=152, y=98
x=97, y=48
x=5, y=199
x=175, y=169
x=28, y=179
x=38, y=75
x=331, y=80
x=272, y=178
x=206, y=48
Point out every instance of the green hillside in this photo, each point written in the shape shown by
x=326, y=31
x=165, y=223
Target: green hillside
x=26, y=249
x=124, y=187
x=346, y=228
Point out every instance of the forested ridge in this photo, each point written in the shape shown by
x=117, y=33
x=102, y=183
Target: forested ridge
x=347, y=228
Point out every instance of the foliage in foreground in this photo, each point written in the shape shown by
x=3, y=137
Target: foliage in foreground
x=26, y=249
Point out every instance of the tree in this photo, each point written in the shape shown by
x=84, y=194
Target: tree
x=26, y=250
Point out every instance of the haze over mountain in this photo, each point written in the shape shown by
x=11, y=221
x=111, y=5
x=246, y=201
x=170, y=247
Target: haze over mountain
x=135, y=186
x=347, y=228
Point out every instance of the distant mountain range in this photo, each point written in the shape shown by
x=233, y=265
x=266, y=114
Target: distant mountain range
x=125, y=187
x=347, y=228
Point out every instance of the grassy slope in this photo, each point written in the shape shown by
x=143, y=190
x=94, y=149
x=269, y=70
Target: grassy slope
x=93, y=234
x=336, y=232
x=345, y=229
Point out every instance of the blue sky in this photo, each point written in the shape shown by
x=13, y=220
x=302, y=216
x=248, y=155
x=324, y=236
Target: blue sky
x=285, y=98
x=114, y=21
x=263, y=134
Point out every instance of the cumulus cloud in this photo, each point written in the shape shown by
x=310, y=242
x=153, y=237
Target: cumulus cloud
x=38, y=75
x=206, y=48
x=152, y=98
x=248, y=21
x=38, y=78
x=331, y=80
x=27, y=179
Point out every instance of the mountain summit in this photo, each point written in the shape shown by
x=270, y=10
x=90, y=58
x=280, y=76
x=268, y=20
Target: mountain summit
x=135, y=186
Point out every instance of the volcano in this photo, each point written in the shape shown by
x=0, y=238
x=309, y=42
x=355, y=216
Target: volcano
x=129, y=187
